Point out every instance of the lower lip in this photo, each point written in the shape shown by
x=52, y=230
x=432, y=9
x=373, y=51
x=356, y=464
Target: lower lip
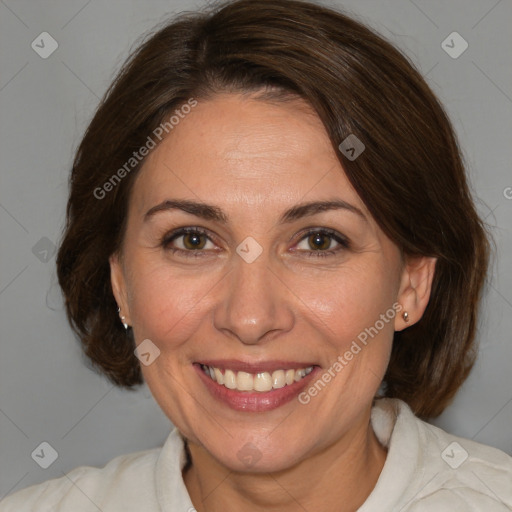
x=249, y=401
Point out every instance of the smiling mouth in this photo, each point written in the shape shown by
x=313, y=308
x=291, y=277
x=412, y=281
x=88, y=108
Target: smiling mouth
x=260, y=382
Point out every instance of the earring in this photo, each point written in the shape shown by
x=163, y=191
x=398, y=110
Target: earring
x=123, y=319
x=405, y=316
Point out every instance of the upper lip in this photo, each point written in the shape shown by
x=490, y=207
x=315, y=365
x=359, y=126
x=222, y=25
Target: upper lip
x=254, y=367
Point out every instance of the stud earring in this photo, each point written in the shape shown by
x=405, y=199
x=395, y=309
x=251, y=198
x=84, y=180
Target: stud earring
x=405, y=316
x=123, y=319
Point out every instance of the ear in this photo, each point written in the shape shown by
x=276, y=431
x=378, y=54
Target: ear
x=117, y=279
x=415, y=288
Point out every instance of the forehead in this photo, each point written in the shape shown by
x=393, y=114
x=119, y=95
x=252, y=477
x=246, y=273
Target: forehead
x=235, y=150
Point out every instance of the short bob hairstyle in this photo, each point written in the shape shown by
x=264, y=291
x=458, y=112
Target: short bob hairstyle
x=410, y=176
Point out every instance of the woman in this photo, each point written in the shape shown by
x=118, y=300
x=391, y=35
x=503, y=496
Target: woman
x=269, y=223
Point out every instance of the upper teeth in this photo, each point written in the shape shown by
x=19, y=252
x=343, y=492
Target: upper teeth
x=264, y=381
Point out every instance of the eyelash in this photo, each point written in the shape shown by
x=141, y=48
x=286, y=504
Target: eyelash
x=337, y=237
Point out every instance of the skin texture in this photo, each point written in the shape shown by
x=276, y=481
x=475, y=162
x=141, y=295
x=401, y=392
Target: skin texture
x=254, y=160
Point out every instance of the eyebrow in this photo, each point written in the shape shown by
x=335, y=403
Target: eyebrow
x=212, y=212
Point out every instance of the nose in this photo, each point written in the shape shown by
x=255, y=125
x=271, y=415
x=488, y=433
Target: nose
x=254, y=304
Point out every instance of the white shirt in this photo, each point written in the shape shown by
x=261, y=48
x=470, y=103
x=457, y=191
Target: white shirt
x=426, y=470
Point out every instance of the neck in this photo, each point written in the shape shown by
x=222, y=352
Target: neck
x=340, y=477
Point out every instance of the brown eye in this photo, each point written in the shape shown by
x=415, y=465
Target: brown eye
x=188, y=240
x=319, y=241
x=322, y=242
x=194, y=241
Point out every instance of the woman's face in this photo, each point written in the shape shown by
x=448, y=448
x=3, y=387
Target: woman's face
x=266, y=280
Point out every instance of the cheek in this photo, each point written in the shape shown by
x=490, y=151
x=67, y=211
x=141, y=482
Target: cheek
x=352, y=300
x=169, y=304
x=166, y=304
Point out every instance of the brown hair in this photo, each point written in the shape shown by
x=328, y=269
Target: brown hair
x=410, y=176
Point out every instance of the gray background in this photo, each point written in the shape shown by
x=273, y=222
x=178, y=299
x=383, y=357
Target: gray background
x=46, y=392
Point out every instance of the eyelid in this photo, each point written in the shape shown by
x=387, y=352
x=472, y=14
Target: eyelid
x=338, y=237
x=178, y=232
x=342, y=241
x=306, y=232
